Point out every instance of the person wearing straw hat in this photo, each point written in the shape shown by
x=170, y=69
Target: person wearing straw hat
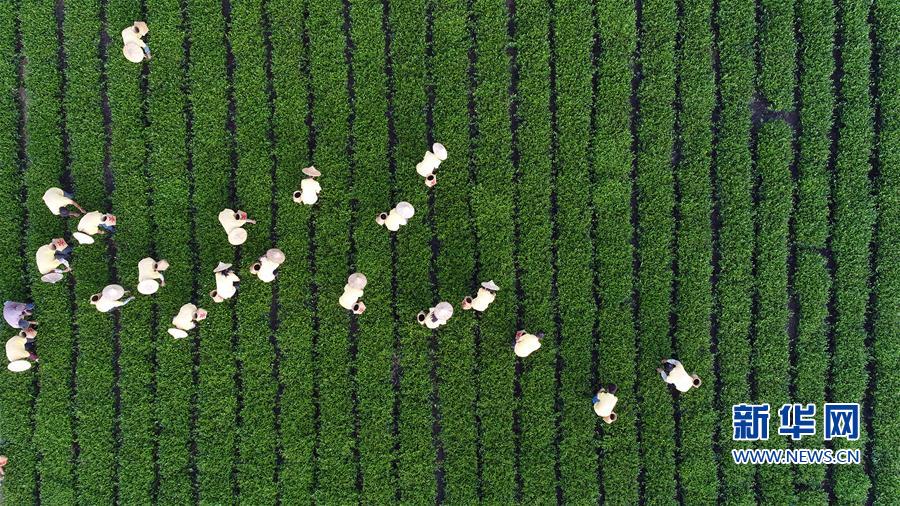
x=265, y=267
x=20, y=350
x=430, y=162
x=233, y=222
x=16, y=314
x=436, y=316
x=309, y=188
x=186, y=320
x=50, y=256
x=486, y=294
x=605, y=401
x=526, y=343
x=4, y=460
x=673, y=373
x=110, y=298
x=397, y=217
x=133, y=46
x=94, y=223
x=59, y=201
x=226, y=283
x=150, y=276
x=353, y=291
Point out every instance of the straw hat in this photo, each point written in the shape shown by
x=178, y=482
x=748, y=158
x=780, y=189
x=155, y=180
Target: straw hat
x=275, y=255
x=406, y=210
x=177, y=333
x=443, y=311
x=19, y=366
x=221, y=267
x=52, y=277
x=114, y=292
x=148, y=287
x=439, y=151
x=237, y=237
x=312, y=172
x=133, y=52
x=490, y=285
x=357, y=280
x=83, y=238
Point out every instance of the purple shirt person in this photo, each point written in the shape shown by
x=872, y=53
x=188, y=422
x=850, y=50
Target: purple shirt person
x=15, y=312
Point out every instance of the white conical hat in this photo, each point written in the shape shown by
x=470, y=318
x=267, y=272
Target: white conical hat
x=148, y=287
x=51, y=277
x=177, y=333
x=275, y=255
x=221, y=267
x=83, y=238
x=19, y=366
x=439, y=151
x=133, y=52
x=443, y=311
x=490, y=285
x=357, y=280
x=311, y=172
x=114, y=292
x=237, y=237
x=406, y=210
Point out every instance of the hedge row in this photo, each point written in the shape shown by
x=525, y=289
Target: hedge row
x=54, y=432
x=851, y=230
x=291, y=81
x=95, y=331
x=209, y=147
x=530, y=200
x=371, y=190
x=655, y=221
x=417, y=460
x=693, y=303
x=886, y=460
x=733, y=166
x=491, y=200
x=612, y=160
x=457, y=248
x=773, y=190
x=16, y=398
x=811, y=280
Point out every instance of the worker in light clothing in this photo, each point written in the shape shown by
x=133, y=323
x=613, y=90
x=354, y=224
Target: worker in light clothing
x=94, y=223
x=436, y=316
x=186, y=320
x=20, y=350
x=486, y=294
x=59, y=201
x=16, y=314
x=673, y=373
x=397, y=217
x=110, y=298
x=50, y=256
x=309, y=188
x=233, y=223
x=605, y=401
x=353, y=291
x=430, y=162
x=526, y=343
x=150, y=275
x=133, y=46
x=226, y=283
x=3, y=461
x=265, y=268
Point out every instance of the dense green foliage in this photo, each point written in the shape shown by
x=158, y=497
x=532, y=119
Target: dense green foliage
x=713, y=181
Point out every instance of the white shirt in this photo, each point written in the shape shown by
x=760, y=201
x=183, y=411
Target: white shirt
x=15, y=349
x=55, y=200
x=309, y=191
x=526, y=345
x=394, y=221
x=90, y=223
x=225, y=284
x=349, y=297
x=147, y=270
x=679, y=377
x=229, y=223
x=46, y=259
x=483, y=300
x=184, y=320
x=129, y=35
x=605, y=404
